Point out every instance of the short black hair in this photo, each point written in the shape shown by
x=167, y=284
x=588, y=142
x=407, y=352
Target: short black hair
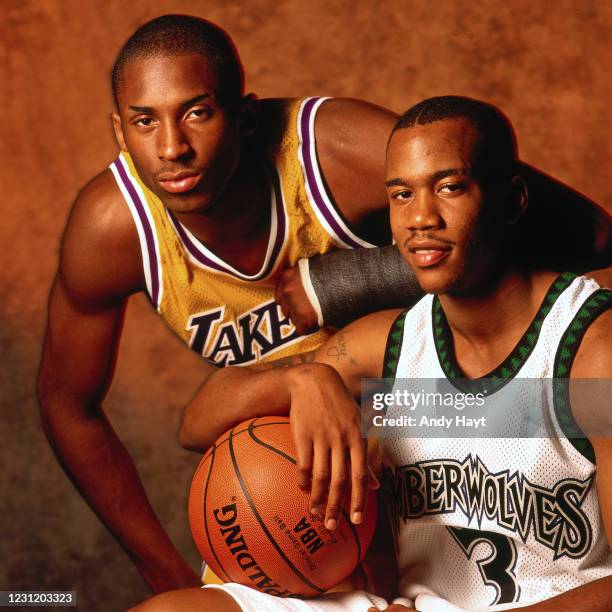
x=497, y=151
x=181, y=35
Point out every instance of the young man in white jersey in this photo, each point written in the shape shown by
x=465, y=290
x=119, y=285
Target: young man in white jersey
x=456, y=203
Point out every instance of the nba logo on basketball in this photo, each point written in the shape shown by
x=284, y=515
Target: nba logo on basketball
x=251, y=522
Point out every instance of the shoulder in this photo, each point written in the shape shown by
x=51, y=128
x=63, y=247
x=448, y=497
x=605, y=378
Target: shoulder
x=351, y=121
x=352, y=138
x=602, y=277
x=100, y=257
x=358, y=350
x=356, y=131
x=590, y=402
x=340, y=122
x=594, y=357
x=590, y=398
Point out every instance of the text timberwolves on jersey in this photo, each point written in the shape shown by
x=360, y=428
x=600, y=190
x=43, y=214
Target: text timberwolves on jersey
x=492, y=522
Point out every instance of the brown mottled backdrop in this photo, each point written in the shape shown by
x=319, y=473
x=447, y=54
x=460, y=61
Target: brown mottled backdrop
x=546, y=63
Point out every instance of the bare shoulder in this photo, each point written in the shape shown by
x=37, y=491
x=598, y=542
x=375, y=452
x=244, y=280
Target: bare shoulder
x=590, y=399
x=351, y=138
x=100, y=258
x=355, y=352
x=603, y=276
x=369, y=332
x=594, y=357
x=348, y=128
x=342, y=125
x=350, y=119
x=358, y=350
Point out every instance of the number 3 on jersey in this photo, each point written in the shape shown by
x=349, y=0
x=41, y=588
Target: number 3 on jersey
x=497, y=570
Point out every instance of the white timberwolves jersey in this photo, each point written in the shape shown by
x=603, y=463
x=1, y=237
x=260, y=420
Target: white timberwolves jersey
x=497, y=523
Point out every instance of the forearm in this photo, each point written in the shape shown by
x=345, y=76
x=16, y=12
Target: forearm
x=349, y=284
x=233, y=394
x=230, y=396
x=103, y=472
x=325, y=426
x=595, y=596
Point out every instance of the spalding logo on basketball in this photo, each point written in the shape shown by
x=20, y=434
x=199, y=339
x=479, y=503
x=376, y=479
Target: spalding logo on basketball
x=251, y=522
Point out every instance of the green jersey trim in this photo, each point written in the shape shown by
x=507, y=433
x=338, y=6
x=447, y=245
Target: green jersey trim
x=595, y=304
x=507, y=369
x=393, y=349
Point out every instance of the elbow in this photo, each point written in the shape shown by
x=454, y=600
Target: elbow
x=49, y=420
x=190, y=431
x=185, y=438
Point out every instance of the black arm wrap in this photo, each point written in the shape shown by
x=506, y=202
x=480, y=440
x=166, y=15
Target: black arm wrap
x=352, y=283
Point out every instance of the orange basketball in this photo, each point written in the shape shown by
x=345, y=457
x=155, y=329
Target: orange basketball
x=251, y=522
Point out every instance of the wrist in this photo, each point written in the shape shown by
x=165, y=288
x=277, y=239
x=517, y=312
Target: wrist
x=311, y=294
x=299, y=377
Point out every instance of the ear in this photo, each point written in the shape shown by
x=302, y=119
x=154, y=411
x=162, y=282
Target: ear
x=249, y=114
x=517, y=201
x=118, y=131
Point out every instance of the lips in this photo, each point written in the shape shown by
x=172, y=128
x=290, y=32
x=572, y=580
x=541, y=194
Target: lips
x=179, y=182
x=425, y=254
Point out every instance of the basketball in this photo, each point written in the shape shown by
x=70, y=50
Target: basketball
x=251, y=522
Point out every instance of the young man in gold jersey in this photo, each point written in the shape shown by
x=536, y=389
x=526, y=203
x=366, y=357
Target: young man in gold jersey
x=213, y=196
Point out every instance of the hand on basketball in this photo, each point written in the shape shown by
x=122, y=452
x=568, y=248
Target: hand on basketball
x=326, y=428
x=294, y=302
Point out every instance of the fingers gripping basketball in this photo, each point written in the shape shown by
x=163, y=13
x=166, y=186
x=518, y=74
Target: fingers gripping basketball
x=251, y=521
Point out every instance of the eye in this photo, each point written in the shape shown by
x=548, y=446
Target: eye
x=404, y=194
x=452, y=188
x=143, y=121
x=199, y=113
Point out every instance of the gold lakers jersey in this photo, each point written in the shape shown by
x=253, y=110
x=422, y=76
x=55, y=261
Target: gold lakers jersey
x=231, y=318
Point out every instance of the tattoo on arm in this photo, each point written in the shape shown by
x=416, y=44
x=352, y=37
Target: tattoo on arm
x=338, y=350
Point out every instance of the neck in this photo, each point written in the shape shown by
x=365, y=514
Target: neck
x=486, y=324
x=479, y=314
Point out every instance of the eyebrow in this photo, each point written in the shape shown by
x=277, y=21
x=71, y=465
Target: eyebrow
x=395, y=182
x=440, y=174
x=186, y=103
x=436, y=176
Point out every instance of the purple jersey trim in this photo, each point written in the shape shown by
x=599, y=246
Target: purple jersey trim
x=147, y=229
x=196, y=252
x=311, y=167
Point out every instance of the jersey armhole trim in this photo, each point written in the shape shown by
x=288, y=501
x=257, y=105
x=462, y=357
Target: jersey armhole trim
x=597, y=303
x=149, y=247
x=393, y=348
x=318, y=196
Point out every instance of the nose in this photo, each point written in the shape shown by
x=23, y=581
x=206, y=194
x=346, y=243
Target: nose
x=423, y=213
x=172, y=143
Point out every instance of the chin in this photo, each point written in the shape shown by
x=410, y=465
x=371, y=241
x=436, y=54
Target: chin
x=435, y=281
x=189, y=204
